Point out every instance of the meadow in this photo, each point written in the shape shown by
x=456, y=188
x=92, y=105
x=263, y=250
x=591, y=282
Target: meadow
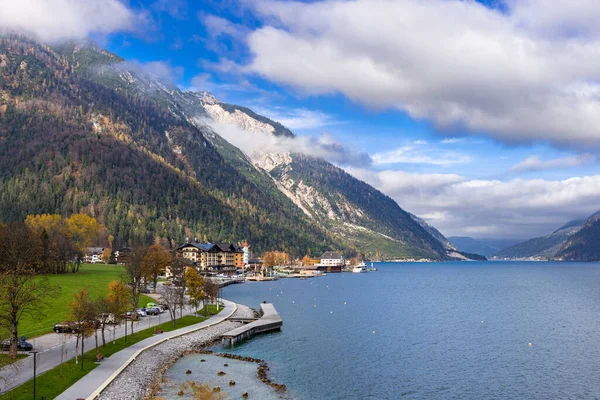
x=94, y=277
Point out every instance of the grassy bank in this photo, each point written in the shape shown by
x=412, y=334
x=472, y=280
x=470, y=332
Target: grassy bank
x=52, y=383
x=95, y=277
x=210, y=309
x=4, y=360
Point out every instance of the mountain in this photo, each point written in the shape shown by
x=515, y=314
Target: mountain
x=126, y=155
x=545, y=247
x=583, y=244
x=470, y=245
x=350, y=209
x=83, y=130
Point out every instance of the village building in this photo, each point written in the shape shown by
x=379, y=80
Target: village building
x=212, y=259
x=123, y=255
x=93, y=255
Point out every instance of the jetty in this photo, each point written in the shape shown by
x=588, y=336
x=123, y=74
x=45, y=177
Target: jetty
x=222, y=282
x=269, y=321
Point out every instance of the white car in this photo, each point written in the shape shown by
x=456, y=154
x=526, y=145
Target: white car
x=142, y=313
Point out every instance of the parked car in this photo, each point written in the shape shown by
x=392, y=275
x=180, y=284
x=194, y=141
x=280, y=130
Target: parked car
x=142, y=313
x=65, y=328
x=22, y=345
x=153, y=311
x=130, y=315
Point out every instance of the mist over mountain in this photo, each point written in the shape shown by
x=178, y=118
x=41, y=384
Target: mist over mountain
x=84, y=130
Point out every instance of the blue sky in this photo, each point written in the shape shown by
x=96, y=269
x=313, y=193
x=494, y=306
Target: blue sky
x=181, y=37
x=482, y=117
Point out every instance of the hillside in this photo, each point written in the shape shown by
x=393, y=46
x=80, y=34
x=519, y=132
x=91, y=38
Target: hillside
x=584, y=244
x=353, y=211
x=83, y=130
x=545, y=247
x=69, y=144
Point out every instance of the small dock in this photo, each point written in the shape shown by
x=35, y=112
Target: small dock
x=269, y=321
x=222, y=282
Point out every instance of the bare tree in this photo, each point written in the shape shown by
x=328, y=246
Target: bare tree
x=134, y=271
x=171, y=296
x=22, y=291
x=103, y=308
x=83, y=314
x=178, y=268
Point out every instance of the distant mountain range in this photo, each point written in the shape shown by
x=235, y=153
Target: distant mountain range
x=478, y=246
x=83, y=130
x=577, y=240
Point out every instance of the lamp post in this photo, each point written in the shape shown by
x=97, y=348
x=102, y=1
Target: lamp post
x=34, y=371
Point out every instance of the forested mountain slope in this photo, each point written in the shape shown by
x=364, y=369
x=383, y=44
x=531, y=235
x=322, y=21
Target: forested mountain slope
x=69, y=144
x=584, y=245
x=83, y=130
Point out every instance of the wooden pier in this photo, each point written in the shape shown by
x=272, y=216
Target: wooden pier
x=269, y=321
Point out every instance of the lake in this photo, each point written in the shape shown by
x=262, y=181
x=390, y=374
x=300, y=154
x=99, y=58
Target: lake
x=470, y=330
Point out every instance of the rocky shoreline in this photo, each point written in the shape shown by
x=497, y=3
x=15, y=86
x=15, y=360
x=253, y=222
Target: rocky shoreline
x=143, y=377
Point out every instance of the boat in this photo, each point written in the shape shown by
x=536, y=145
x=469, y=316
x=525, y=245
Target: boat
x=360, y=268
x=372, y=268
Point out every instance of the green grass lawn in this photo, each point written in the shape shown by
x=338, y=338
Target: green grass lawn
x=210, y=309
x=4, y=360
x=95, y=277
x=52, y=383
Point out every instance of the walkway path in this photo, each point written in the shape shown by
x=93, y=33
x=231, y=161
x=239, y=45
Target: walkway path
x=50, y=346
x=93, y=383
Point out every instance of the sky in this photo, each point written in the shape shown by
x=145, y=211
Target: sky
x=481, y=117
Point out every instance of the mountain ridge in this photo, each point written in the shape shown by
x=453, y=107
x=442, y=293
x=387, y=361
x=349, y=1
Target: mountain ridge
x=287, y=201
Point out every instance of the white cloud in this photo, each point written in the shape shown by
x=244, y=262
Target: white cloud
x=324, y=146
x=162, y=70
x=452, y=140
x=298, y=118
x=534, y=163
x=218, y=26
x=488, y=208
x=59, y=20
x=418, y=153
x=528, y=73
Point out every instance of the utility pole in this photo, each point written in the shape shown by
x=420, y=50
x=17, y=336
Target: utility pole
x=34, y=371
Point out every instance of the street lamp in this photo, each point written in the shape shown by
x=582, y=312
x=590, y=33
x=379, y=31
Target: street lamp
x=34, y=371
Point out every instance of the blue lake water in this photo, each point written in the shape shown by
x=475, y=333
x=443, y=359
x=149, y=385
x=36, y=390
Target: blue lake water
x=431, y=331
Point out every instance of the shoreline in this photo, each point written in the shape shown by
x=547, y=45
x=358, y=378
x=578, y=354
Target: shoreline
x=143, y=378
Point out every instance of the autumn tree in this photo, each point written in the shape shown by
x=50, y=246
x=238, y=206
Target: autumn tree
x=155, y=261
x=117, y=301
x=83, y=314
x=106, y=255
x=195, y=283
x=51, y=223
x=211, y=290
x=83, y=229
x=281, y=258
x=269, y=259
x=22, y=291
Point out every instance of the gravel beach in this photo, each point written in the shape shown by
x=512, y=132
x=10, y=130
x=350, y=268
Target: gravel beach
x=136, y=381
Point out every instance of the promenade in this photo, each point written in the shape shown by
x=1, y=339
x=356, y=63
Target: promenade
x=51, y=345
x=91, y=385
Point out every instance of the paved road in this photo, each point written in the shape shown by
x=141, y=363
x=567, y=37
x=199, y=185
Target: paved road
x=50, y=347
x=109, y=368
